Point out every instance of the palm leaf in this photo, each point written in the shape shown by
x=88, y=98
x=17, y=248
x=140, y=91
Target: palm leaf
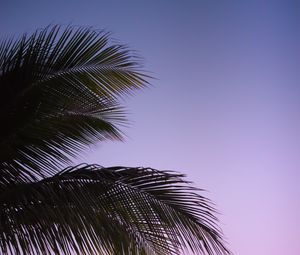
x=59, y=93
x=88, y=209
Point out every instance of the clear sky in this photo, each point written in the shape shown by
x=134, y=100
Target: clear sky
x=224, y=108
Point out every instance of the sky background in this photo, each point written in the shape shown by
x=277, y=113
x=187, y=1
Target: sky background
x=224, y=107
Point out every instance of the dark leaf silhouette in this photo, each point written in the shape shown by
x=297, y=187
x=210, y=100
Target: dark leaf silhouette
x=60, y=92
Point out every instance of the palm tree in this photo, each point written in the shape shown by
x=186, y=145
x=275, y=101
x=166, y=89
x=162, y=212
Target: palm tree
x=60, y=92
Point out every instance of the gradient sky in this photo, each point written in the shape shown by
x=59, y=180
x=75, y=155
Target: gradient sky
x=224, y=108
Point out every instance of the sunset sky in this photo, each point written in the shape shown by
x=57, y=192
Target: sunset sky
x=224, y=107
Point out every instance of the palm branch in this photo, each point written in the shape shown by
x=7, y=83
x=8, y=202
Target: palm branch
x=93, y=210
x=60, y=92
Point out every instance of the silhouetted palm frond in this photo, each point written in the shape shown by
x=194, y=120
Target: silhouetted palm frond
x=59, y=93
x=93, y=210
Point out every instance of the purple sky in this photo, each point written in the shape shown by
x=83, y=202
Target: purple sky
x=224, y=108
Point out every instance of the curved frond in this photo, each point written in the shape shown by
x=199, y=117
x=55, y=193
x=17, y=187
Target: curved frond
x=88, y=209
x=59, y=93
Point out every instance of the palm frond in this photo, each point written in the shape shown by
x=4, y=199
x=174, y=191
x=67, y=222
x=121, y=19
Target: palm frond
x=88, y=209
x=59, y=93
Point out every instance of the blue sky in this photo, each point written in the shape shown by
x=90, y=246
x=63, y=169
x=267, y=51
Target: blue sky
x=224, y=107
